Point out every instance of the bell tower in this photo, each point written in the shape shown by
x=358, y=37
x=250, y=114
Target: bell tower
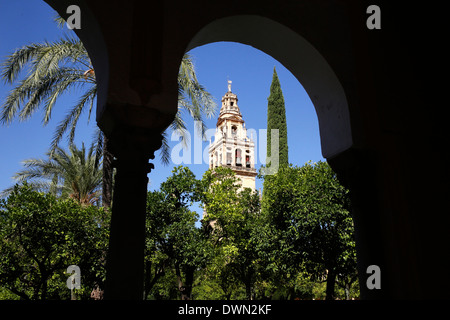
x=231, y=147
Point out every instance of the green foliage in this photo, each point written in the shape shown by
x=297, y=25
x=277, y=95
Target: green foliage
x=41, y=236
x=206, y=288
x=166, y=288
x=284, y=250
x=308, y=210
x=276, y=119
x=221, y=184
x=173, y=241
x=5, y=294
x=232, y=234
x=75, y=174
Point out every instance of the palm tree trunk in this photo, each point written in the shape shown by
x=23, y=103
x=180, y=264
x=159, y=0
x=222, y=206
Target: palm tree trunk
x=107, y=174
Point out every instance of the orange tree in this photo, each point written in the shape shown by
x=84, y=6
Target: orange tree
x=40, y=236
x=307, y=213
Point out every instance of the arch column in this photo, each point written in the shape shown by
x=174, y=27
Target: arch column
x=358, y=171
x=125, y=260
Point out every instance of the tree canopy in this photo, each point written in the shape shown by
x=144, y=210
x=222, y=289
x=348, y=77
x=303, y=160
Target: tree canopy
x=309, y=214
x=40, y=236
x=283, y=248
x=231, y=224
x=173, y=242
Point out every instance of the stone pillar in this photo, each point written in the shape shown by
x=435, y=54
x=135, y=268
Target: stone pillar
x=358, y=173
x=125, y=260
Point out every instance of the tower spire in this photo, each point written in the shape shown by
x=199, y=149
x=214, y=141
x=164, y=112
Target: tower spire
x=229, y=85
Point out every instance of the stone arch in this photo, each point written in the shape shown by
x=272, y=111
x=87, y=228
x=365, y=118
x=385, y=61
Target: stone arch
x=302, y=60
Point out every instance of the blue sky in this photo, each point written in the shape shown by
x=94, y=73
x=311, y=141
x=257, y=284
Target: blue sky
x=26, y=21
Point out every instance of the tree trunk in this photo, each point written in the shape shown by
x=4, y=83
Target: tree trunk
x=347, y=291
x=147, y=278
x=331, y=279
x=189, y=272
x=248, y=290
x=44, y=286
x=181, y=288
x=149, y=282
x=107, y=174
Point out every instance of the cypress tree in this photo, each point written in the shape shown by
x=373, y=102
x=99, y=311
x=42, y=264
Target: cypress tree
x=276, y=119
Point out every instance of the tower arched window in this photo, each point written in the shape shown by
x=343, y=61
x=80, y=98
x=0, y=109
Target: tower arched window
x=238, y=155
x=229, y=158
x=233, y=131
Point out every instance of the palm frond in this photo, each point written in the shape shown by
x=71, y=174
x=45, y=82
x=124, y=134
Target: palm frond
x=44, y=58
x=192, y=96
x=201, y=100
x=15, y=62
x=71, y=119
x=52, y=55
x=60, y=22
x=31, y=93
x=165, y=149
x=99, y=139
x=178, y=125
x=87, y=98
x=69, y=174
x=54, y=67
x=36, y=168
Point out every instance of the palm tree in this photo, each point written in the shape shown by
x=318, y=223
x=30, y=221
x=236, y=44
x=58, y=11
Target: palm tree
x=56, y=67
x=75, y=174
